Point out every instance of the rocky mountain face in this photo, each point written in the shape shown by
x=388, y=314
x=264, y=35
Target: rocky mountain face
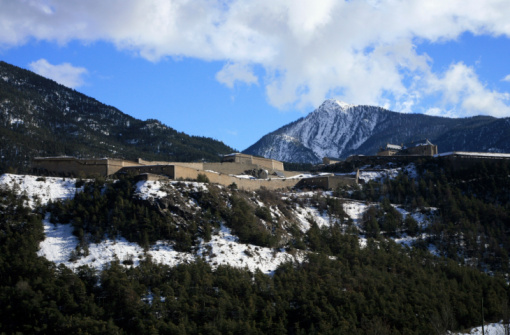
x=337, y=129
x=39, y=117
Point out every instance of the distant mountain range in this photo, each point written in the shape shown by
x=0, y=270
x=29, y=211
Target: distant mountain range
x=39, y=117
x=338, y=130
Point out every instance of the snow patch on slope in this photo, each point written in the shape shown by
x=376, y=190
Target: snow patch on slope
x=40, y=190
x=490, y=329
x=223, y=249
x=381, y=174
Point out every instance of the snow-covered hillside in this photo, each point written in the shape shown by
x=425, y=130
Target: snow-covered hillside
x=60, y=244
x=489, y=329
x=40, y=190
x=305, y=208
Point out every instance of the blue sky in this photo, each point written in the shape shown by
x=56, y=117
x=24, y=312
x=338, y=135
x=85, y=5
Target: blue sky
x=236, y=70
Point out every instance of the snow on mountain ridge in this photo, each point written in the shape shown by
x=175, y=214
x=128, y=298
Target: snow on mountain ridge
x=337, y=130
x=333, y=104
x=333, y=128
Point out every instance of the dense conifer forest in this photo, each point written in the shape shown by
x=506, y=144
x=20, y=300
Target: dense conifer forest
x=341, y=288
x=472, y=220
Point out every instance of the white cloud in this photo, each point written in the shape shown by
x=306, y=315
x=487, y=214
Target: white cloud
x=231, y=73
x=461, y=87
x=507, y=78
x=64, y=73
x=359, y=51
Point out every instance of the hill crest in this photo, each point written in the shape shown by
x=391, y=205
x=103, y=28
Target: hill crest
x=39, y=117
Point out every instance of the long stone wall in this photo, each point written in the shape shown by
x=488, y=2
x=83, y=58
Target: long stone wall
x=114, y=165
x=198, y=166
x=163, y=170
x=261, y=162
x=271, y=184
x=239, y=166
x=226, y=180
x=268, y=163
x=71, y=166
x=223, y=172
x=384, y=159
x=327, y=182
x=463, y=160
x=232, y=168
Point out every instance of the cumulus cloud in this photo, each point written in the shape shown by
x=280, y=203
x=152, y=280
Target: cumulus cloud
x=65, y=73
x=461, y=87
x=232, y=73
x=361, y=51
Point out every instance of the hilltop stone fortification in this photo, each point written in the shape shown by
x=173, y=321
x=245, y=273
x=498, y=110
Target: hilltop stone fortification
x=234, y=169
x=71, y=166
x=424, y=148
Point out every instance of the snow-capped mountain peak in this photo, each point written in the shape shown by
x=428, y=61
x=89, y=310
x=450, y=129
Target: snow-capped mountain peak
x=333, y=105
x=337, y=129
x=333, y=129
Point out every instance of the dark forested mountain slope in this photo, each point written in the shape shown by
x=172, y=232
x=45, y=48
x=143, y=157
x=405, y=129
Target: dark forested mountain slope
x=336, y=129
x=340, y=288
x=39, y=117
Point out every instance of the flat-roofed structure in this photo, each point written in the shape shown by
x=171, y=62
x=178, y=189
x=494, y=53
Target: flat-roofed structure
x=465, y=159
x=478, y=155
x=258, y=161
x=330, y=161
x=72, y=166
x=421, y=148
x=390, y=150
x=424, y=148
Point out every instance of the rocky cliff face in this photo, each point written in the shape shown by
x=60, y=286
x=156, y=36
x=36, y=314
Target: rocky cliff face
x=337, y=129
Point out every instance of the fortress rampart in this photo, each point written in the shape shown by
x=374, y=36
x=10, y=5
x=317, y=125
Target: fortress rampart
x=326, y=182
x=221, y=173
x=462, y=160
x=232, y=164
x=458, y=159
x=261, y=162
x=177, y=172
x=71, y=166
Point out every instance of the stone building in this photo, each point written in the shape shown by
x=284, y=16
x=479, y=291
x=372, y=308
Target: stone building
x=248, y=159
x=330, y=161
x=390, y=150
x=424, y=148
x=421, y=149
